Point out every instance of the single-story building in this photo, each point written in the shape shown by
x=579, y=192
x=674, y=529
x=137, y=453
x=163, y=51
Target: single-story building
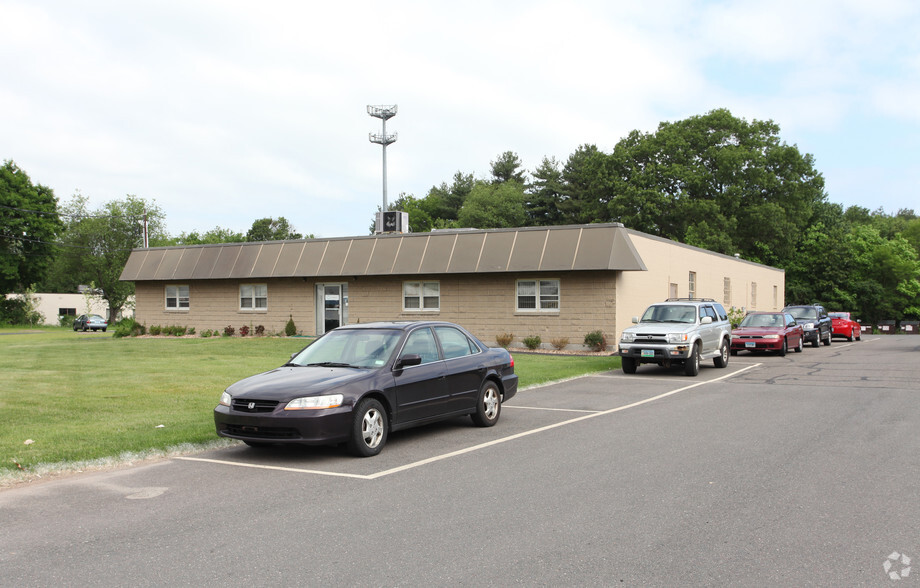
x=558, y=282
x=57, y=307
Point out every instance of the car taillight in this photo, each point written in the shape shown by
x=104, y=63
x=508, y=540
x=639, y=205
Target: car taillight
x=512, y=360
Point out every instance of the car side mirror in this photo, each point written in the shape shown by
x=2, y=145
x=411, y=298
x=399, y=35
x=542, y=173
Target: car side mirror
x=407, y=360
x=706, y=320
x=635, y=320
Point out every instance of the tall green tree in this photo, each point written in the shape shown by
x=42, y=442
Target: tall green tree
x=711, y=176
x=272, y=229
x=543, y=195
x=507, y=167
x=491, y=206
x=96, y=244
x=30, y=224
x=587, y=186
x=212, y=236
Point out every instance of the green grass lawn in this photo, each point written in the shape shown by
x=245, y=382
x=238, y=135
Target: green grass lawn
x=80, y=397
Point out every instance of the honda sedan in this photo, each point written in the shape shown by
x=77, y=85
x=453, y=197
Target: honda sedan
x=768, y=331
x=358, y=383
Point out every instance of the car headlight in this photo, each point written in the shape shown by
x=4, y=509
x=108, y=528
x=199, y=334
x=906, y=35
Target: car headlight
x=678, y=337
x=315, y=402
x=771, y=336
x=226, y=399
x=808, y=326
x=628, y=337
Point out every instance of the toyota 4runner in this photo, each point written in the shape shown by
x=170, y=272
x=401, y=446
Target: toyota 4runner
x=680, y=331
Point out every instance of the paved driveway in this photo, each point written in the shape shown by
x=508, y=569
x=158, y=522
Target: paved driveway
x=796, y=471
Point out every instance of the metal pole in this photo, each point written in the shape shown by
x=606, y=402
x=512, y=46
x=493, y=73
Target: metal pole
x=384, y=209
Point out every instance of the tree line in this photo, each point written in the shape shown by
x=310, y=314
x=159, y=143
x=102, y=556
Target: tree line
x=713, y=181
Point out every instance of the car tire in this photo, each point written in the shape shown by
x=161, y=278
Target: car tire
x=800, y=346
x=75, y=329
x=692, y=365
x=103, y=330
x=488, y=405
x=859, y=334
x=734, y=352
x=369, y=429
x=817, y=340
x=852, y=335
x=629, y=365
x=784, y=348
x=829, y=338
x=722, y=360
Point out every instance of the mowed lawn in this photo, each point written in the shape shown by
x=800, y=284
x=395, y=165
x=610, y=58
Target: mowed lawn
x=68, y=397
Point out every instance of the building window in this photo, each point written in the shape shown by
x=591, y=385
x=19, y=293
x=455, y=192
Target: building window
x=177, y=297
x=539, y=295
x=672, y=290
x=67, y=312
x=775, y=297
x=422, y=296
x=692, y=285
x=727, y=292
x=253, y=297
x=753, y=295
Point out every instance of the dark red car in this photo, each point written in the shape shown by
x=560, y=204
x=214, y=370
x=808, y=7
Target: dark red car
x=768, y=331
x=844, y=326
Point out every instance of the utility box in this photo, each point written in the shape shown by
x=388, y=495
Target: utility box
x=392, y=221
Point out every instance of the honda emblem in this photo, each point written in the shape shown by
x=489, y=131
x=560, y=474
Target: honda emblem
x=251, y=405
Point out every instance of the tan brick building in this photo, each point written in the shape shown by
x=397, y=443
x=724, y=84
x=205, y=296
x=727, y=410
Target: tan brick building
x=555, y=282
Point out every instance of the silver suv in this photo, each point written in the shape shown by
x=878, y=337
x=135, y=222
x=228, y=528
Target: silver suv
x=678, y=331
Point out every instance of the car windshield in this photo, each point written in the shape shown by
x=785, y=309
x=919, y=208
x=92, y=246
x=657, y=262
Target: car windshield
x=359, y=348
x=803, y=312
x=670, y=313
x=763, y=320
x=838, y=315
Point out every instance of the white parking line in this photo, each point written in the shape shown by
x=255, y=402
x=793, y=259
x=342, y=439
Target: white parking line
x=437, y=458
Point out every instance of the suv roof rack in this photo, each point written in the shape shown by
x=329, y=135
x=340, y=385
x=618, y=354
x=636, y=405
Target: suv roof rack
x=689, y=300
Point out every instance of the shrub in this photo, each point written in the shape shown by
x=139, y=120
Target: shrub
x=735, y=316
x=559, y=343
x=128, y=328
x=532, y=342
x=191, y=330
x=504, y=340
x=206, y=333
x=290, y=329
x=179, y=331
x=155, y=330
x=260, y=330
x=229, y=331
x=244, y=330
x=596, y=341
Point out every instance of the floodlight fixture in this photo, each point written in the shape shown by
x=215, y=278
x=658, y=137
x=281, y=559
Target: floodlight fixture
x=383, y=139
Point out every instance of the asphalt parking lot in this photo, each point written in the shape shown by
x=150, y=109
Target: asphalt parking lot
x=795, y=470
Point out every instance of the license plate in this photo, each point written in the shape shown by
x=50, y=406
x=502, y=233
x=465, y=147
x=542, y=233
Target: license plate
x=648, y=353
x=750, y=344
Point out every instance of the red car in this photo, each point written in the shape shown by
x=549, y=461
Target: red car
x=768, y=331
x=844, y=326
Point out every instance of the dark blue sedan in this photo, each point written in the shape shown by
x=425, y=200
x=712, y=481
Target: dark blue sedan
x=358, y=383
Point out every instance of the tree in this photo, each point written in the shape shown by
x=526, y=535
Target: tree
x=96, y=244
x=507, y=167
x=587, y=186
x=542, y=197
x=29, y=226
x=492, y=206
x=215, y=235
x=714, y=176
x=271, y=229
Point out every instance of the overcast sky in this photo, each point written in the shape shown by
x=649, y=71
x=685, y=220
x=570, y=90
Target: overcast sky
x=224, y=112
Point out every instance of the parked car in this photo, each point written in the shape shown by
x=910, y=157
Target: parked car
x=358, y=383
x=814, y=320
x=844, y=326
x=93, y=322
x=680, y=331
x=768, y=331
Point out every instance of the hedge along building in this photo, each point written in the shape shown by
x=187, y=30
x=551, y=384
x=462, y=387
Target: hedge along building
x=558, y=282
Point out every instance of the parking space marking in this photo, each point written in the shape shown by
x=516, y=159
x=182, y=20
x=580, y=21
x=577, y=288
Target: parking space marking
x=504, y=407
x=452, y=454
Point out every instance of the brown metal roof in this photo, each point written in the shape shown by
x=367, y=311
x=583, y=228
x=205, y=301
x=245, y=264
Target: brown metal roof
x=531, y=249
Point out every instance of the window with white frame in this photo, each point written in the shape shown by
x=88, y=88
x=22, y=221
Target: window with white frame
x=538, y=295
x=692, y=285
x=422, y=296
x=727, y=292
x=753, y=294
x=253, y=296
x=177, y=297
